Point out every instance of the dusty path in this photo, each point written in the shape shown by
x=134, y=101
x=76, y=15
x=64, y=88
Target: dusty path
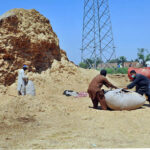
x=52, y=120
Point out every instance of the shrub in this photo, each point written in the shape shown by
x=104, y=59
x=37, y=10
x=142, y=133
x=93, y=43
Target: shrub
x=83, y=65
x=117, y=70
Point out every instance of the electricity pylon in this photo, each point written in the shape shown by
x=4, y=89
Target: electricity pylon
x=97, y=36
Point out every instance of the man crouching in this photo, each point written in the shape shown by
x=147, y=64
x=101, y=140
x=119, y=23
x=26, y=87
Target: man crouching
x=96, y=93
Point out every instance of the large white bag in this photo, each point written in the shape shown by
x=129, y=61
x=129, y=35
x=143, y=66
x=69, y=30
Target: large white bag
x=120, y=100
x=28, y=89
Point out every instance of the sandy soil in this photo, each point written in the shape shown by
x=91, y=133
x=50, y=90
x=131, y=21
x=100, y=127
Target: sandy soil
x=52, y=120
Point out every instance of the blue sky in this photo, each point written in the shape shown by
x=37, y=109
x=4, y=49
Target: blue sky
x=130, y=21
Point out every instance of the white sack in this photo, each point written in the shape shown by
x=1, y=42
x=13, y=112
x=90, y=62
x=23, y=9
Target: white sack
x=119, y=100
x=28, y=89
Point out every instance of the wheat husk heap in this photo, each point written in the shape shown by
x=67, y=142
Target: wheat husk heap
x=50, y=119
x=26, y=37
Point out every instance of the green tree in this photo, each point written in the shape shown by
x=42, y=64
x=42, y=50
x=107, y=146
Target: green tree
x=143, y=56
x=122, y=60
x=136, y=60
x=98, y=61
x=114, y=60
x=83, y=65
x=89, y=63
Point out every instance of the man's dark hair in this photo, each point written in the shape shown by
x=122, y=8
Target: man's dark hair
x=103, y=72
x=132, y=71
x=25, y=67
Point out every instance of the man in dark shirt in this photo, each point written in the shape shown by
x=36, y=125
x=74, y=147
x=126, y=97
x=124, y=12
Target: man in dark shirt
x=142, y=84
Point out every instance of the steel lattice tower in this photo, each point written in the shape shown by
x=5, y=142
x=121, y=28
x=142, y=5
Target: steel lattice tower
x=97, y=36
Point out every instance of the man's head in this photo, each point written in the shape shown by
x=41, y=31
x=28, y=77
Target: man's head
x=103, y=72
x=133, y=73
x=25, y=67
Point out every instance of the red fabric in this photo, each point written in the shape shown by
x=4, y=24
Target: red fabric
x=143, y=71
x=82, y=94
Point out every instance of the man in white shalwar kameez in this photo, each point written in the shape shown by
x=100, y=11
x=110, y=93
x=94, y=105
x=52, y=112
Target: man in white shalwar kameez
x=22, y=81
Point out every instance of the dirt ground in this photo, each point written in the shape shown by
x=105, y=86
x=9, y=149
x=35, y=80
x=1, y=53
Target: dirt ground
x=52, y=120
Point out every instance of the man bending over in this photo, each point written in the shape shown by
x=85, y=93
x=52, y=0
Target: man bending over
x=96, y=93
